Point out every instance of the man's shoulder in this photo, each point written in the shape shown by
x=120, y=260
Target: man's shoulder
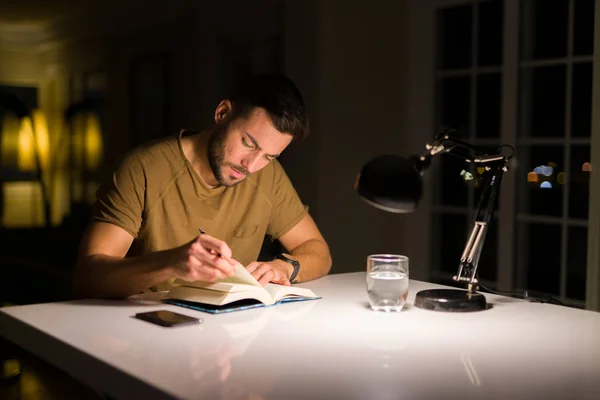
x=155, y=153
x=167, y=145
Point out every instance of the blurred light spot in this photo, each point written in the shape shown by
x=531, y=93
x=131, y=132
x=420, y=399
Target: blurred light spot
x=33, y=143
x=587, y=167
x=538, y=170
x=42, y=137
x=546, y=185
x=532, y=177
x=467, y=176
x=94, y=146
x=481, y=170
x=547, y=170
x=561, y=178
x=552, y=164
x=26, y=160
x=23, y=207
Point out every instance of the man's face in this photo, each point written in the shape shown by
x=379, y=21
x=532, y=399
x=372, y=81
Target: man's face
x=245, y=145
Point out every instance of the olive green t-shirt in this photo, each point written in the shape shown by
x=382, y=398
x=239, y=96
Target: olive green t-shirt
x=156, y=195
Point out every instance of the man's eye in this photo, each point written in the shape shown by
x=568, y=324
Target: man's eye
x=246, y=143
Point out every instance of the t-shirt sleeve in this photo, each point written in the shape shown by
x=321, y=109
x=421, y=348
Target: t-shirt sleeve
x=120, y=199
x=287, y=209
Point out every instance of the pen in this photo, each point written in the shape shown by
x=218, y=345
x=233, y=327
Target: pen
x=202, y=232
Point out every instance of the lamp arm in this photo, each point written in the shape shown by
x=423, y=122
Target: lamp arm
x=469, y=261
x=446, y=144
x=497, y=163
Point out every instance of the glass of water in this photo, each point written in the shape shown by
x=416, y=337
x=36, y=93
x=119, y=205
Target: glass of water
x=387, y=281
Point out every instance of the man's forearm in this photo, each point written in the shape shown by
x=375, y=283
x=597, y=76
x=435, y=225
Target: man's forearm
x=314, y=258
x=102, y=276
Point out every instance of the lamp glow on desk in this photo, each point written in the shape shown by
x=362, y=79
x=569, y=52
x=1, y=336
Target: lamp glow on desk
x=393, y=183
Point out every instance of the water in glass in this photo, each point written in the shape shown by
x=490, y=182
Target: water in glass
x=387, y=282
x=387, y=290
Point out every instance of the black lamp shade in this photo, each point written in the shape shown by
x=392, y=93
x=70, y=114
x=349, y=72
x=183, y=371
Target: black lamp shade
x=391, y=183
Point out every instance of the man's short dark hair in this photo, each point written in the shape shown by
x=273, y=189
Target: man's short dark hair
x=277, y=95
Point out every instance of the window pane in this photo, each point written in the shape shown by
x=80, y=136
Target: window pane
x=581, y=103
x=545, y=28
x=450, y=233
x=542, y=107
x=455, y=103
x=583, y=43
x=491, y=19
x=576, y=263
x=579, y=184
x=489, y=95
x=542, y=256
x=539, y=174
x=455, y=35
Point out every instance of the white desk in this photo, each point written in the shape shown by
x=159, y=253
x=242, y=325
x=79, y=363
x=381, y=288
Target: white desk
x=331, y=348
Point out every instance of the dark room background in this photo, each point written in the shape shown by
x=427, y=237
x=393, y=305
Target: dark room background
x=378, y=76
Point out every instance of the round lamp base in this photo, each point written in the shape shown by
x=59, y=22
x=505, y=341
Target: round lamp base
x=450, y=300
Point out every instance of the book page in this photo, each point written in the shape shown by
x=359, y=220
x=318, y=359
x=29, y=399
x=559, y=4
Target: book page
x=236, y=283
x=242, y=275
x=278, y=292
x=207, y=296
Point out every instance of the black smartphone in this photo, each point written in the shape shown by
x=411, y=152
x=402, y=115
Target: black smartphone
x=167, y=318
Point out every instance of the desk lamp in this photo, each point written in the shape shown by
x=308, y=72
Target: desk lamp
x=393, y=183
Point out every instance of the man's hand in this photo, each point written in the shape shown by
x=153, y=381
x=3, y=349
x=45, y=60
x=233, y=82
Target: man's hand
x=203, y=259
x=276, y=271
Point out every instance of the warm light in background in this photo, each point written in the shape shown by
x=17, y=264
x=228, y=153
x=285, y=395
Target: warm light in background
x=93, y=142
x=18, y=141
x=87, y=141
x=87, y=150
x=23, y=207
x=543, y=174
x=42, y=137
x=532, y=177
x=23, y=204
x=586, y=167
x=26, y=148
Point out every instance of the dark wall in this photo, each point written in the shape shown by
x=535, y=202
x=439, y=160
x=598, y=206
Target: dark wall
x=357, y=81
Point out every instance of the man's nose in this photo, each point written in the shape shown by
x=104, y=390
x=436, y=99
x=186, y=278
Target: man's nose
x=251, y=163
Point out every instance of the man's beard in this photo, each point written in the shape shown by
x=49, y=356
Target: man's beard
x=216, y=156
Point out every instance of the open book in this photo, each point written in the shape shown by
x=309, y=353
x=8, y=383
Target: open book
x=241, y=288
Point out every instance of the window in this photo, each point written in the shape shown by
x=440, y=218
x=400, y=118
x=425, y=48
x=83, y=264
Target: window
x=468, y=93
x=515, y=72
x=555, y=68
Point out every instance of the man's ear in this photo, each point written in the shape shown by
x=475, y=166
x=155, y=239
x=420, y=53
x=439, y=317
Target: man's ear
x=222, y=111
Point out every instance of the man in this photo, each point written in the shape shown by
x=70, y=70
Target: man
x=226, y=182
